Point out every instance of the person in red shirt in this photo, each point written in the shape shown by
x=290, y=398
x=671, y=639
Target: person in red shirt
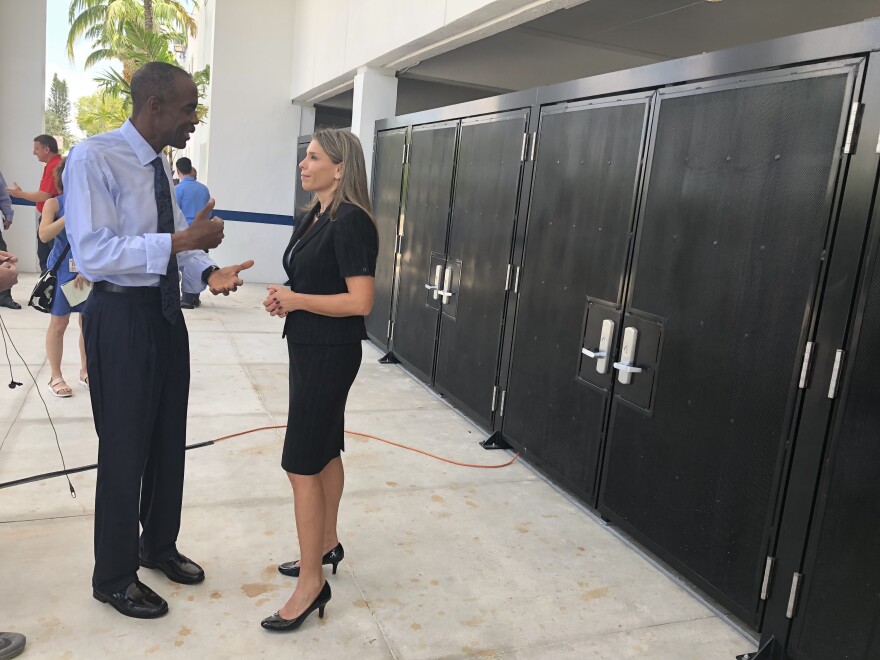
x=46, y=151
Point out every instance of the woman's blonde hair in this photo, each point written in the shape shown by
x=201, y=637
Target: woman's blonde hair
x=344, y=147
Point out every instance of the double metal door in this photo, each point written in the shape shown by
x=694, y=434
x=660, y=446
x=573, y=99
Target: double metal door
x=461, y=205
x=684, y=385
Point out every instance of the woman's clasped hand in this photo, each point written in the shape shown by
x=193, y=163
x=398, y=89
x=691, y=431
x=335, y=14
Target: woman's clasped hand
x=280, y=301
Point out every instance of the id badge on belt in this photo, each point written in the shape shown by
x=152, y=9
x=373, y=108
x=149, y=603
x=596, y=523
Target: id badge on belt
x=72, y=266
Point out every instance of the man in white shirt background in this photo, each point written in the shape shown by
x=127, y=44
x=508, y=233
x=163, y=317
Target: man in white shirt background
x=129, y=237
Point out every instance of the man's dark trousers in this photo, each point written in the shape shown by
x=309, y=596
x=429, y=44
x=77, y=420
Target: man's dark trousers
x=43, y=249
x=138, y=367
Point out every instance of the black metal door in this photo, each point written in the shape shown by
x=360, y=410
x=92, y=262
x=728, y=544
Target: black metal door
x=580, y=220
x=423, y=245
x=487, y=180
x=732, y=233
x=837, y=611
x=387, y=202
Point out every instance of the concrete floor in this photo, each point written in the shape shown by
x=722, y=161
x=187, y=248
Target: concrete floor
x=441, y=561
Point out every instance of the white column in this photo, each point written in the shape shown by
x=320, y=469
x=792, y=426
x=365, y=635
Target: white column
x=375, y=97
x=253, y=129
x=22, y=105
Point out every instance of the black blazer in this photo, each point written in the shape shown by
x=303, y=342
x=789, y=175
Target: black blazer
x=317, y=260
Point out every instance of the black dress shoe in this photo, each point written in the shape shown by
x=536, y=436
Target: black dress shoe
x=335, y=556
x=278, y=623
x=186, y=305
x=10, y=303
x=178, y=568
x=136, y=600
x=11, y=644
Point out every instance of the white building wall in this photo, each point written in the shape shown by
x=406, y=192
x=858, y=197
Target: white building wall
x=22, y=103
x=252, y=129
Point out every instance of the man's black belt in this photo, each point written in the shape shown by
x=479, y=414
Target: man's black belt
x=142, y=291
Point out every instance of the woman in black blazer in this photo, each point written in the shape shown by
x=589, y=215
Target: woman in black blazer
x=331, y=263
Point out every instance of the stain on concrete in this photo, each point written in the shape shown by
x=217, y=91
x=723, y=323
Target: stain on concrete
x=268, y=532
x=178, y=642
x=443, y=514
x=473, y=623
x=414, y=580
x=360, y=602
x=437, y=498
x=269, y=572
x=216, y=595
x=549, y=515
x=391, y=483
x=416, y=626
x=593, y=594
x=262, y=602
x=435, y=582
x=152, y=650
x=254, y=589
x=472, y=504
x=184, y=631
x=523, y=528
x=394, y=601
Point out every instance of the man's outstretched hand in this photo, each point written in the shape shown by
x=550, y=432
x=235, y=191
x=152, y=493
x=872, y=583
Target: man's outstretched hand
x=227, y=280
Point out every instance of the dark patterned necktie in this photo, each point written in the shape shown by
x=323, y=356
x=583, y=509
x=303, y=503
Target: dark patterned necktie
x=169, y=283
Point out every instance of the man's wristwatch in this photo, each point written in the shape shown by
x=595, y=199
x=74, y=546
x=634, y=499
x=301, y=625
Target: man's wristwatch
x=206, y=274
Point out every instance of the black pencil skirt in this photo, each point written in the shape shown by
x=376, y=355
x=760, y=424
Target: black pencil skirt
x=320, y=378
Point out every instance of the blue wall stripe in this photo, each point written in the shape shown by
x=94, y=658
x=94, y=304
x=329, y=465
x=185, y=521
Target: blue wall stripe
x=234, y=216
x=260, y=218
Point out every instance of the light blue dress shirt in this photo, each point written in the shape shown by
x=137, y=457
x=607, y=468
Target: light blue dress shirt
x=111, y=216
x=5, y=200
x=191, y=196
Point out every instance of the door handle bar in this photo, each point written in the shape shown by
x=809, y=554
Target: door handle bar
x=601, y=353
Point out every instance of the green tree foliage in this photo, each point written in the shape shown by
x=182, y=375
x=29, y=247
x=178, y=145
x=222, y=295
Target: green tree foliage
x=100, y=112
x=102, y=22
x=58, y=111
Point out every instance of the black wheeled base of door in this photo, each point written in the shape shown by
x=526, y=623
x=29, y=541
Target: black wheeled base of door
x=388, y=358
x=766, y=652
x=495, y=441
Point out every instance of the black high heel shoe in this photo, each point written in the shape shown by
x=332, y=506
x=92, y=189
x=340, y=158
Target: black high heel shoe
x=335, y=556
x=278, y=623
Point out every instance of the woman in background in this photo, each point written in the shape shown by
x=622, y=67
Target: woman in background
x=52, y=226
x=331, y=263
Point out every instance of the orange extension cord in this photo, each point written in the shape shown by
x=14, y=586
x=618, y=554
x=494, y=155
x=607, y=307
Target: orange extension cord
x=388, y=442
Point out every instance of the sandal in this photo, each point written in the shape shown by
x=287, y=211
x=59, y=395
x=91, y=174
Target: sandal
x=84, y=379
x=59, y=388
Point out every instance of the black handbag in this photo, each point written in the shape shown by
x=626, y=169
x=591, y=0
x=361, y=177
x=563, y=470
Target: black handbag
x=46, y=288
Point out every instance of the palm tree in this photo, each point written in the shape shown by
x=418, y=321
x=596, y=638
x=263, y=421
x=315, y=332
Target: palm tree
x=104, y=23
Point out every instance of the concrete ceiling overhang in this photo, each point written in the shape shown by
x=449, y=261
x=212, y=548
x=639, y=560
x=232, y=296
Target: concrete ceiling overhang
x=599, y=36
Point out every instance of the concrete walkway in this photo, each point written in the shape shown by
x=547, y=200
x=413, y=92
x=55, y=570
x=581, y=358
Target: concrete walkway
x=441, y=561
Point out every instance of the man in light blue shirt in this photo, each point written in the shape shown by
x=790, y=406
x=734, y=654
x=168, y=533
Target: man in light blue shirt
x=191, y=198
x=129, y=237
x=7, y=212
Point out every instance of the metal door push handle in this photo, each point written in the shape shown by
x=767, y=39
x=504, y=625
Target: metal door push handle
x=626, y=366
x=447, y=282
x=601, y=354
